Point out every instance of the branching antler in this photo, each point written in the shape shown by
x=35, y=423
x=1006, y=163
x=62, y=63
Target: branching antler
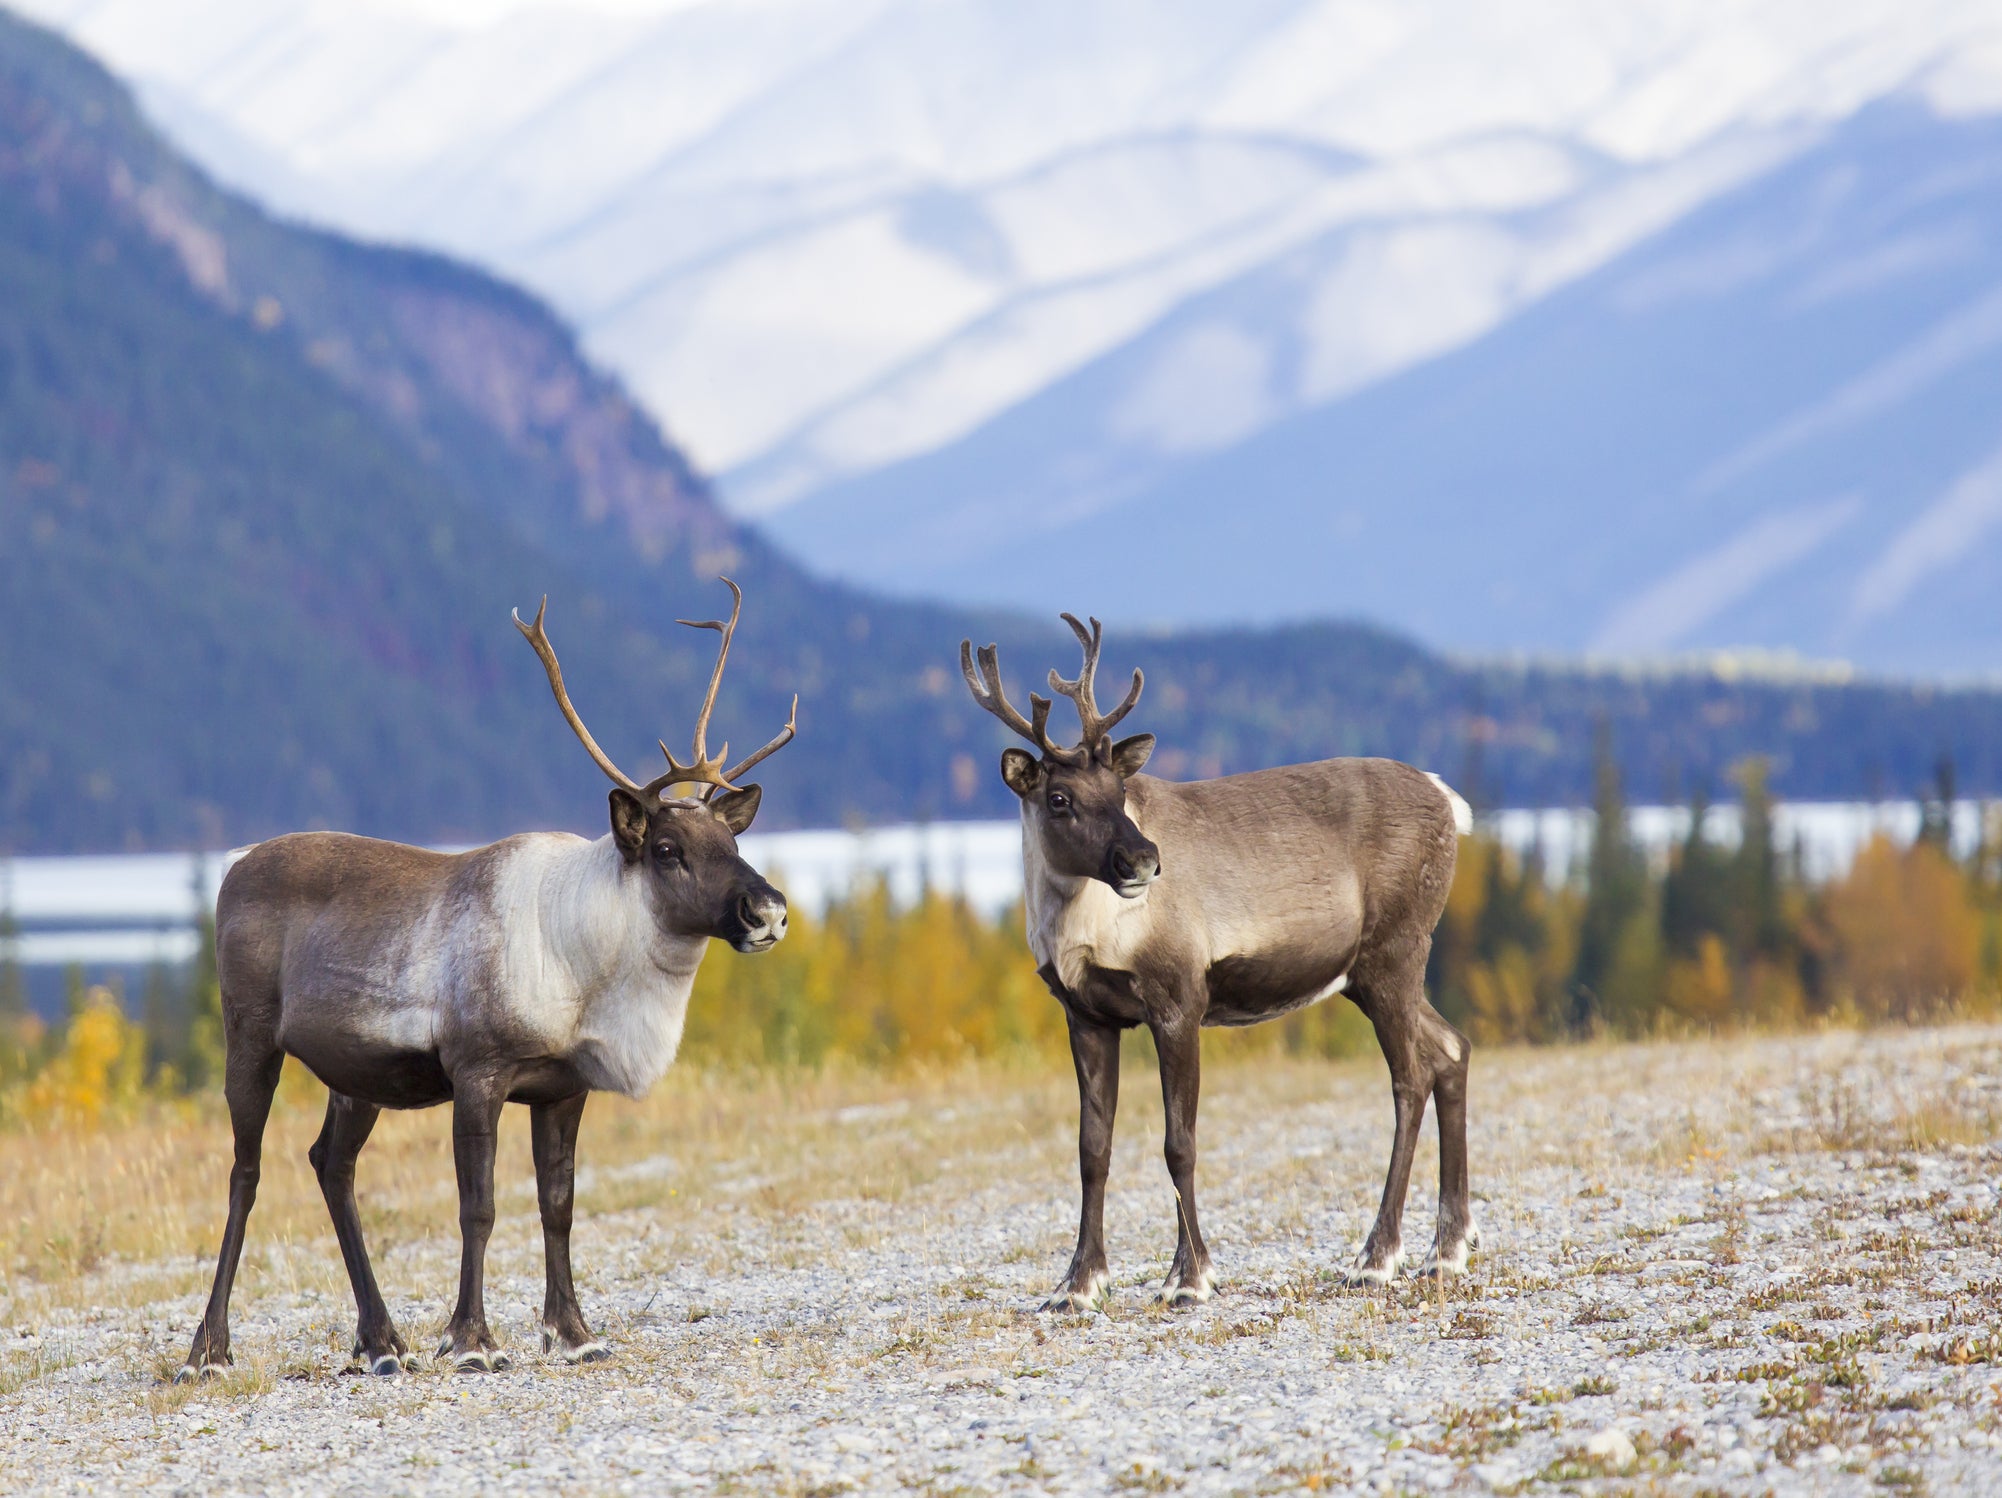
x=1081, y=692
x=986, y=689
x=704, y=771
x=539, y=638
x=988, y=692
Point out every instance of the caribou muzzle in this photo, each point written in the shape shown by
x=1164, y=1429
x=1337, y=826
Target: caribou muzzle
x=1131, y=864
x=757, y=918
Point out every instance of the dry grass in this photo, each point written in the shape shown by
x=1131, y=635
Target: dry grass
x=767, y=1250
x=131, y=1211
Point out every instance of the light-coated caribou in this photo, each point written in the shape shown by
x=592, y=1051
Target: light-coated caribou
x=1229, y=902
x=535, y=970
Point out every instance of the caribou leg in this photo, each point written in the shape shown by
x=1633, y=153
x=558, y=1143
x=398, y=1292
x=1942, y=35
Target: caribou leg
x=476, y=1110
x=1179, y=1043
x=1456, y=1234
x=553, y=1130
x=378, y=1346
x=1393, y=997
x=1095, y=1053
x=250, y=1077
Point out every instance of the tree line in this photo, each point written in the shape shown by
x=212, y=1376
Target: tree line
x=1715, y=938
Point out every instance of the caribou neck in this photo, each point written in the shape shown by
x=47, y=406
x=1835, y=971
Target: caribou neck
x=595, y=933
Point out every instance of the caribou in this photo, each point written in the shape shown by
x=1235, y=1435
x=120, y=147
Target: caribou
x=1176, y=905
x=537, y=970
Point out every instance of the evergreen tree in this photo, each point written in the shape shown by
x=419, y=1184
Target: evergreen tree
x=1695, y=892
x=1615, y=888
x=13, y=987
x=163, y=1020
x=1936, y=813
x=202, y=1053
x=1758, y=928
x=1510, y=916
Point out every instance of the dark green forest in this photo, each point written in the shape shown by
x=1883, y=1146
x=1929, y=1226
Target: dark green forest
x=267, y=497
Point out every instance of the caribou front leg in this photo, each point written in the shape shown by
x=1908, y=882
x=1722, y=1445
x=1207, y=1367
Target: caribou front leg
x=476, y=1110
x=553, y=1129
x=1179, y=1042
x=1095, y=1053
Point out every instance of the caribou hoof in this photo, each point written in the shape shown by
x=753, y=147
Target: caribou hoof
x=1071, y=1298
x=1378, y=1271
x=190, y=1373
x=592, y=1351
x=386, y=1362
x=475, y=1359
x=1182, y=1289
x=1439, y=1265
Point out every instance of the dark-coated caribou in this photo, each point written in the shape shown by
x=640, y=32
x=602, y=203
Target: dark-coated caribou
x=1230, y=902
x=536, y=970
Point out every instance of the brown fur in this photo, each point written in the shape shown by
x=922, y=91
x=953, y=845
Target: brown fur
x=1231, y=902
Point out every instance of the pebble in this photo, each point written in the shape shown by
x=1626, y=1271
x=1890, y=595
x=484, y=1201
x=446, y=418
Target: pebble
x=1656, y=1283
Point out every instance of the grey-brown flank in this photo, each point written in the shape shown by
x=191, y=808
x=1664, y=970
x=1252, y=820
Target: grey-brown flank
x=1231, y=902
x=534, y=970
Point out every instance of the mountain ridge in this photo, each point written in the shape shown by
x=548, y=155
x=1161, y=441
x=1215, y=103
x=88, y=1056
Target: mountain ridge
x=1124, y=253
x=267, y=497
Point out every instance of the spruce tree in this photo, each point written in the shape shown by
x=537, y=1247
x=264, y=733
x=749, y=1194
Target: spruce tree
x=1615, y=887
x=1759, y=925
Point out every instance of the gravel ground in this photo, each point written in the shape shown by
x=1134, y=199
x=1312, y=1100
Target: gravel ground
x=1749, y=1266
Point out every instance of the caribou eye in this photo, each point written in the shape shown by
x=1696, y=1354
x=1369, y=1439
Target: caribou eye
x=666, y=852
x=1059, y=801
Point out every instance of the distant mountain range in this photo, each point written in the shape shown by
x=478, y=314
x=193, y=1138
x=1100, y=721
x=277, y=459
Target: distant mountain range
x=267, y=496
x=1616, y=330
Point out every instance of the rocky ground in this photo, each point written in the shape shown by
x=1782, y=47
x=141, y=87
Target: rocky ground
x=1746, y=1266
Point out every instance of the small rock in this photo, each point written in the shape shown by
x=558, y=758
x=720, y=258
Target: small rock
x=959, y=1378
x=1614, y=1446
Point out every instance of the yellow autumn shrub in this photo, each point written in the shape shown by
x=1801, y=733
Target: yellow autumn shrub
x=1906, y=930
x=99, y=1068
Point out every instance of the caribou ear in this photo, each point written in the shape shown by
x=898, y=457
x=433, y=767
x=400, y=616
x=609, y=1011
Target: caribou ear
x=735, y=809
x=1128, y=755
x=629, y=824
x=1021, y=770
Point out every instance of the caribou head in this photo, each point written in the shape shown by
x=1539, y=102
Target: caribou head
x=685, y=846
x=1074, y=799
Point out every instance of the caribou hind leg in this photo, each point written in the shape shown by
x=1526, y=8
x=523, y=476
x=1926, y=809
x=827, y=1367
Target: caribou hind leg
x=1179, y=1043
x=250, y=1077
x=1095, y=1052
x=476, y=1110
x=553, y=1130
x=1392, y=994
x=378, y=1346
x=1428, y=1060
x=1456, y=1234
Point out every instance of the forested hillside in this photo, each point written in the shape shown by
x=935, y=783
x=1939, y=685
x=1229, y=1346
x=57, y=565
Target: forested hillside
x=267, y=497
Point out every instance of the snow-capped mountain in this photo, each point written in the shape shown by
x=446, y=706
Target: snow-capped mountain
x=1543, y=325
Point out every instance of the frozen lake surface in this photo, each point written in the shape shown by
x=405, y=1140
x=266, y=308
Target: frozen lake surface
x=138, y=909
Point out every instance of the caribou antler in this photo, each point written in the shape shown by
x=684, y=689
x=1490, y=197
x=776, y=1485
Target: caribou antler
x=988, y=692
x=705, y=771
x=986, y=689
x=1081, y=692
x=537, y=636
